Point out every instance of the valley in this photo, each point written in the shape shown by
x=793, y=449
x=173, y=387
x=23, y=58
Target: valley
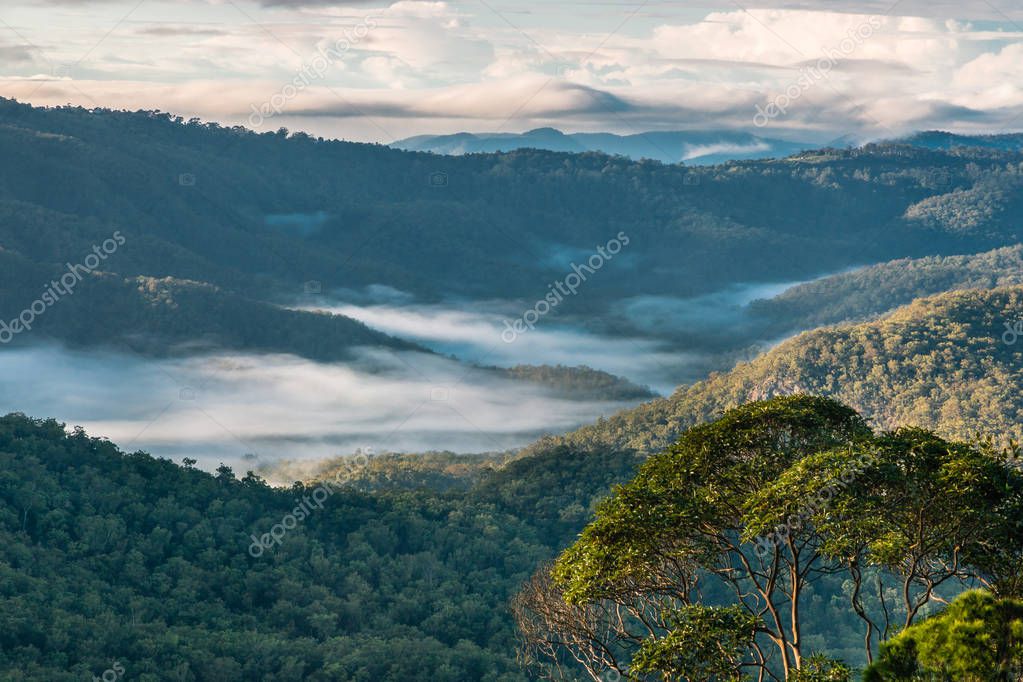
x=413, y=381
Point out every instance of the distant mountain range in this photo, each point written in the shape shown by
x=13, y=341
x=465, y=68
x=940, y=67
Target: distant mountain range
x=220, y=225
x=938, y=140
x=689, y=147
x=692, y=147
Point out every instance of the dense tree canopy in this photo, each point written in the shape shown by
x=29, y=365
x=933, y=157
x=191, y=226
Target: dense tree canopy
x=121, y=559
x=260, y=214
x=979, y=638
x=108, y=557
x=743, y=524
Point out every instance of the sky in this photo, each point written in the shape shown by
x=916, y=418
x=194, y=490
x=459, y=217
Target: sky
x=806, y=70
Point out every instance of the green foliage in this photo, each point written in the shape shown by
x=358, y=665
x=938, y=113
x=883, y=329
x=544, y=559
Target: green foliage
x=202, y=202
x=703, y=643
x=896, y=495
x=431, y=471
x=978, y=638
x=841, y=509
x=871, y=291
x=107, y=556
x=696, y=489
x=580, y=383
x=939, y=363
x=916, y=491
x=680, y=521
x=820, y=668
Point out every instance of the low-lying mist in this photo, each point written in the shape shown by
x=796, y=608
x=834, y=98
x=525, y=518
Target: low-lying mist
x=712, y=315
x=246, y=410
x=657, y=341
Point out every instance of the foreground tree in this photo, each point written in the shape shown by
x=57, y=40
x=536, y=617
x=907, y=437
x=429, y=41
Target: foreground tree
x=979, y=638
x=698, y=568
x=912, y=510
x=659, y=542
x=702, y=643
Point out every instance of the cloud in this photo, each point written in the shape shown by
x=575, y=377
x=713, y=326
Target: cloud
x=935, y=9
x=866, y=111
x=992, y=80
x=940, y=9
x=18, y=54
x=179, y=30
x=437, y=67
x=495, y=101
x=695, y=151
x=320, y=3
x=224, y=407
x=473, y=333
x=529, y=96
x=414, y=44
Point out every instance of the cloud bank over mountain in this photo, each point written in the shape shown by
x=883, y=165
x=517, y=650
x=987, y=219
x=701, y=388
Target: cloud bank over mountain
x=384, y=71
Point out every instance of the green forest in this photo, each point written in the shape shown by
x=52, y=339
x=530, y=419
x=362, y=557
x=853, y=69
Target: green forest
x=841, y=500
x=222, y=219
x=751, y=547
x=121, y=559
x=433, y=564
x=941, y=362
x=265, y=213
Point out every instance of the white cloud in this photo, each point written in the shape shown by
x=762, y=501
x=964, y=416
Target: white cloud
x=991, y=80
x=220, y=408
x=442, y=67
x=475, y=336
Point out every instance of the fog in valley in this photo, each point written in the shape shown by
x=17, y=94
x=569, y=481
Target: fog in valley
x=251, y=410
x=246, y=410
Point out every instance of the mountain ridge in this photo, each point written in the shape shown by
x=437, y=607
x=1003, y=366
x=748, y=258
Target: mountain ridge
x=939, y=362
x=697, y=147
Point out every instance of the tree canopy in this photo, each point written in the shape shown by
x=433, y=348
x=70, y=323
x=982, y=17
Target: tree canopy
x=743, y=521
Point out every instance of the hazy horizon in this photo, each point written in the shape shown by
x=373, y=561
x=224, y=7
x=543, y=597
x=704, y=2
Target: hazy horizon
x=383, y=71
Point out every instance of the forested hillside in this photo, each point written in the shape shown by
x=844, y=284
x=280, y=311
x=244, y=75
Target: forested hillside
x=166, y=316
x=268, y=212
x=114, y=558
x=227, y=218
x=120, y=558
x=705, y=364
x=873, y=290
x=936, y=139
x=407, y=568
x=389, y=569
x=404, y=567
x=581, y=383
x=951, y=362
